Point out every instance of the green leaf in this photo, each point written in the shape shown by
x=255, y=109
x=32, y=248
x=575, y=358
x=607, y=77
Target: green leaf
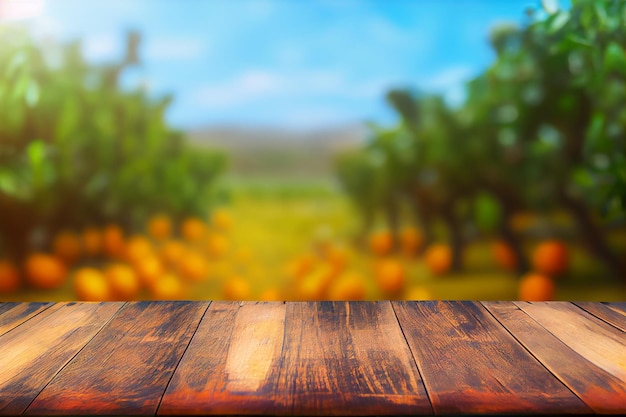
x=615, y=59
x=487, y=212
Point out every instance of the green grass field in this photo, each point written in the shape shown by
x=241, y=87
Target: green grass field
x=276, y=224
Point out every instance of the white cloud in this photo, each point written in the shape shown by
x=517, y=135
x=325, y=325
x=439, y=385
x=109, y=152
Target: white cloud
x=175, y=48
x=14, y=10
x=450, y=83
x=258, y=84
x=102, y=47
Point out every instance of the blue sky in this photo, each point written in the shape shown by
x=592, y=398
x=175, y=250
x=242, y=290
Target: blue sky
x=293, y=63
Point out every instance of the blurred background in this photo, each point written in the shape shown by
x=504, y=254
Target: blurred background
x=312, y=150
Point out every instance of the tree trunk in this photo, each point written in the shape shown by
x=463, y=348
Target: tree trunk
x=512, y=240
x=424, y=218
x=456, y=235
x=393, y=220
x=592, y=235
x=16, y=224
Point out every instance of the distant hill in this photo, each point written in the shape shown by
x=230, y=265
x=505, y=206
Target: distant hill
x=279, y=152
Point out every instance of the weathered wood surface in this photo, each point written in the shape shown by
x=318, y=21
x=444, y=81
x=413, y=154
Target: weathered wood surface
x=324, y=358
x=33, y=352
x=126, y=367
x=14, y=314
x=471, y=364
x=600, y=390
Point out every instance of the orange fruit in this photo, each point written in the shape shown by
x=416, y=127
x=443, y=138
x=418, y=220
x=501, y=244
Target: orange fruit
x=9, y=277
x=390, y=276
x=550, y=258
x=137, y=248
x=300, y=267
x=411, y=240
x=168, y=287
x=113, y=241
x=438, y=258
x=123, y=281
x=160, y=227
x=171, y=252
x=536, y=287
x=91, y=285
x=346, y=288
x=236, y=288
x=92, y=241
x=44, y=271
x=338, y=257
x=193, y=267
x=217, y=245
x=221, y=219
x=381, y=243
x=193, y=229
x=270, y=294
x=148, y=269
x=504, y=255
x=66, y=246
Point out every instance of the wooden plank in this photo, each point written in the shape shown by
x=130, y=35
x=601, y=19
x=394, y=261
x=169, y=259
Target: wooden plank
x=600, y=390
x=471, y=364
x=598, y=342
x=5, y=306
x=35, y=351
x=18, y=314
x=348, y=358
x=610, y=314
x=126, y=367
x=298, y=358
x=232, y=363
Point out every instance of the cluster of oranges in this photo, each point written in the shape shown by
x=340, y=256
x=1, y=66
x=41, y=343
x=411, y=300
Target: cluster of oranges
x=105, y=264
x=329, y=272
x=550, y=259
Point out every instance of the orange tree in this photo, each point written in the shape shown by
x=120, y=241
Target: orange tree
x=541, y=129
x=76, y=148
x=551, y=106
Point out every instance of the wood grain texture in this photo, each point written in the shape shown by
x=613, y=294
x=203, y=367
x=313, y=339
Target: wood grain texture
x=232, y=364
x=5, y=306
x=471, y=364
x=298, y=358
x=348, y=358
x=18, y=314
x=33, y=353
x=609, y=313
x=126, y=367
x=600, y=390
x=598, y=342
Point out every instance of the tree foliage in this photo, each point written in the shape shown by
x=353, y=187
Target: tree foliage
x=76, y=148
x=542, y=128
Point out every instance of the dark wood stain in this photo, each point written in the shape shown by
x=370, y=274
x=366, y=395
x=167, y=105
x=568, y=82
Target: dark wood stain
x=609, y=313
x=600, y=390
x=126, y=367
x=471, y=364
x=34, y=352
x=18, y=314
x=312, y=358
x=231, y=363
x=348, y=358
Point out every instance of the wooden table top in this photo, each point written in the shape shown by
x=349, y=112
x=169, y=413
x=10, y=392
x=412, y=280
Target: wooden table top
x=324, y=358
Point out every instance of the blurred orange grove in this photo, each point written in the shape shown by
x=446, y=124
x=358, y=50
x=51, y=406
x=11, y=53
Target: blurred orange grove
x=504, y=255
x=44, y=271
x=536, y=287
x=551, y=258
x=438, y=258
x=9, y=277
